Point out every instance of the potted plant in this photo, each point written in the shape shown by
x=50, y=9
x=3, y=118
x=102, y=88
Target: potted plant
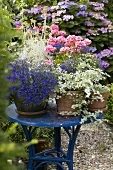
x=78, y=88
x=97, y=100
x=77, y=69
x=30, y=86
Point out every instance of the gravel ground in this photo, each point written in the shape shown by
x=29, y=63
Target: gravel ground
x=93, y=149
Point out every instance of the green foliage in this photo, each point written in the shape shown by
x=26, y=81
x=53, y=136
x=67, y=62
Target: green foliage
x=30, y=3
x=109, y=113
x=17, y=136
x=11, y=6
x=6, y=35
x=46, y=134
x=46, y=2
x=8, y=150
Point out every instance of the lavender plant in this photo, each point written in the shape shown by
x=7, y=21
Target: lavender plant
x=33, y=84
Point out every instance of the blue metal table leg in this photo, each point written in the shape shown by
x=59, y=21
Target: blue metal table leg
x=57, y=141
x=71, y=146
x=28, y=134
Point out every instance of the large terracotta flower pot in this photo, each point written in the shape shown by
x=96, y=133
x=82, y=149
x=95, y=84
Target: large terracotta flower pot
x=64, y=104
x=29, y=110
x=96, y=105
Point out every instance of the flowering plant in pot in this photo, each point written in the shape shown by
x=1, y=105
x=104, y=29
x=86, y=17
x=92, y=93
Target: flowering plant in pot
x=77, y=70
x=30, y=86
x=78, y=86
x=63, y=47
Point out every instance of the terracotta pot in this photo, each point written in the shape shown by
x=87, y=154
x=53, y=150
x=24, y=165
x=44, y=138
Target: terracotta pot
x=96, y=105
x=41, y=146
x=66, y=101
x=29, y=110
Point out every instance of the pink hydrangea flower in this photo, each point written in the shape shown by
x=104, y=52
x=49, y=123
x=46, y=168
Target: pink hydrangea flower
x=71, y=38
x=87, y=41
x=54, y=32
x=54, y=27
x=50, y=49
x=79, y=38
x=62, y=33
x=67, y=44
x=61, y=39
x=64, y=50
x=52, y=41
x=80, y=44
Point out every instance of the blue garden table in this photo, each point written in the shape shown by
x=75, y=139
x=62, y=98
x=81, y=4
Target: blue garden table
x=55, y=155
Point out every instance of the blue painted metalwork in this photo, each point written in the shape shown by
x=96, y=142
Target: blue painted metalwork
x=55, y=155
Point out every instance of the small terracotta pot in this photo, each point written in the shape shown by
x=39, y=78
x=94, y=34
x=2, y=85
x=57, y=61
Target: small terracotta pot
x=66, y=101
x=96, y=105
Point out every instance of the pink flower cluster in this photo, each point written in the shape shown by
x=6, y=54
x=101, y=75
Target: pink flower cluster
x=70, y=44
x=55, y=30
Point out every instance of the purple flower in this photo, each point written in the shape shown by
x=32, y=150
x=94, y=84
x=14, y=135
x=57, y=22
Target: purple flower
x=92, y=49
x=49, y=16
x=95, y=15
x=83, y=13
x=99, y=9
x=88, y=23
x=35, y=10
x=67, y=17
x=106, y=22
x=83, y=7
x=69, y=65
x=105, y=53
x=67, y=3
x=25, y=12
x=65, y=7
x=34, y=85
x=103, y=30
x=96, y=4
x=111, y=50
x=104, y=64
x=71, y=3
x=59, y=12
x=92, y=32
x=17, y=23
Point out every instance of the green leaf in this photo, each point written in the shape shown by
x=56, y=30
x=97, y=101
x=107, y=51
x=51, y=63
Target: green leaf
x=109, y=69
x=101, y=45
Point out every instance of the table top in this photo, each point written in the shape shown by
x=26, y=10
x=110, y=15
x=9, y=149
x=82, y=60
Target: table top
x=49, y=119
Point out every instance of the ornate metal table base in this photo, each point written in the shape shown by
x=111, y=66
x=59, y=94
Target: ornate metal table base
x=50, y=119
x=55, y=155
